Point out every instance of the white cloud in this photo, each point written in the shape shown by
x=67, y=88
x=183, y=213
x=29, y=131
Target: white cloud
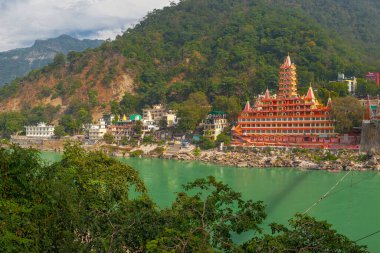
x=23, y=21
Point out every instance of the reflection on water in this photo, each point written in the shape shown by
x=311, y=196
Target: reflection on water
x=352, y=207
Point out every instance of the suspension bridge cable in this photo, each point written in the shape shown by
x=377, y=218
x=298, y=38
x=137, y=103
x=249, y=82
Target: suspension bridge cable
x=365, y=237
x=327, y=193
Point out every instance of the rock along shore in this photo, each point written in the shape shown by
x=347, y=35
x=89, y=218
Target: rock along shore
x=318, y=159
x=340, y=160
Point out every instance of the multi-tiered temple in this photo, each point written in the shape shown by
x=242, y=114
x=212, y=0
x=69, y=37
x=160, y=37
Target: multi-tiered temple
x=286, y=119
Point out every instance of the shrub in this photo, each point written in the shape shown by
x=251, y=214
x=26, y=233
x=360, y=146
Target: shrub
x=136, y=153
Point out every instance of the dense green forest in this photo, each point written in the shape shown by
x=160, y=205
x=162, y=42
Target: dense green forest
x=235, y=47
x=225, y=49
x=89, y=202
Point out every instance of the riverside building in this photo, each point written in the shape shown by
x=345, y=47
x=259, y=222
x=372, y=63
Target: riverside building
x=41, y=130
x=214, y=124
x=286, y=118
x=159, y=113
x=96, y=132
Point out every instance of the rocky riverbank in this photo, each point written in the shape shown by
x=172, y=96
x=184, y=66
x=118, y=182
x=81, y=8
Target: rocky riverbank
x=319, y=159
x=342, y=160
x=337, y=160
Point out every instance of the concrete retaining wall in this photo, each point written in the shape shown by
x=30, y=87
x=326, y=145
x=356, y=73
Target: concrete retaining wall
x=370, y=139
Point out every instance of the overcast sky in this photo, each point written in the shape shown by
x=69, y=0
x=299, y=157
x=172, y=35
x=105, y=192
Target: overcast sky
x=24, y=21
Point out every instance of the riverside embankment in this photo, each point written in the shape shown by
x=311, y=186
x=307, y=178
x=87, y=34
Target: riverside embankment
x=313, y=159
x=340, y=160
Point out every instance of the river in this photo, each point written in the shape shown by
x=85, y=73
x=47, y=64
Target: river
x=352, y=207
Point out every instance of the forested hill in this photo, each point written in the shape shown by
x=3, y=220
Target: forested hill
x=221, y=47
x=357, y=22
x=18, y=62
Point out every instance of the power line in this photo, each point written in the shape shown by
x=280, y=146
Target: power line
x=326, y=194
x=374, y=233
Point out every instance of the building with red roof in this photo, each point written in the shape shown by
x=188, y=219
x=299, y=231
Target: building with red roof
x=286, y=118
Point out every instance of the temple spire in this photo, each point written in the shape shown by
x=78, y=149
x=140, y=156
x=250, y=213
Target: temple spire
x=288, y=61
x=329, y=102
x=247, y=107
x=368, y=111
x=310, y=94
x=288, y=79
x=267, y=94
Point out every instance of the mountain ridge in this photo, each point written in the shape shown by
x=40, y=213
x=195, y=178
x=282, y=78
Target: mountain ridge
x=18, y=62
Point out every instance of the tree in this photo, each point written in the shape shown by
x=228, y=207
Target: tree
x=365, y=88
x=206, y=143
x=163, y=123
x=202, y=218
x=192, y=111
x=305, y=234
x=76, y=115
x=230, y=105
x=93, y=98
x=109, y=138
x=223, y=137
x=10, y=123
x=348, y=113
x=233, y=86
x=339, y=88
x=138, y=127
x=59, y=59
x=324, y=94
x=129, y=104
x=69, y=124
x=59, y=131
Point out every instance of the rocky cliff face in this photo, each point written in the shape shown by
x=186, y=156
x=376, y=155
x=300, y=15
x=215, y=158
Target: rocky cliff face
x=89, y=82
x=18, y=62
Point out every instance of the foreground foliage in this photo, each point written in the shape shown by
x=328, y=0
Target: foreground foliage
x=91, y=202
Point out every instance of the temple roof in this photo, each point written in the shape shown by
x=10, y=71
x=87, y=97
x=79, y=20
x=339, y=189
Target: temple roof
x=247, y=106
x=288, y=62
x=217, y=113
x=267, y=94
x=310, y=94
x=135, y=117
x=329, y=102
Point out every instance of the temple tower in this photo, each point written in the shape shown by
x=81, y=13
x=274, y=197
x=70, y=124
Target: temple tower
x=288, y=79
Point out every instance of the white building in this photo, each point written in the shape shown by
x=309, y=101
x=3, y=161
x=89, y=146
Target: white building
x=351, y=82
x=171, y=118
x=42, y=131
x=214, y=124
x=150, y=126
x=158, y=113
x=96, y=132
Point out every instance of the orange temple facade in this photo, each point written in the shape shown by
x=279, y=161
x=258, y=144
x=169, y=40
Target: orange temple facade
x=286, y=118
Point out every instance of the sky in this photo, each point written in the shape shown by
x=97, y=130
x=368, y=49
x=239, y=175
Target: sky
x=24, y=21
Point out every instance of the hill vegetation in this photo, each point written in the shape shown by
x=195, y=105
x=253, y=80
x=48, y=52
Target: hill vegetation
x=224, y=49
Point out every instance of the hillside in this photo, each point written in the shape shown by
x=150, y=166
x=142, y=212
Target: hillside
x=229, y=47
x=18, y=62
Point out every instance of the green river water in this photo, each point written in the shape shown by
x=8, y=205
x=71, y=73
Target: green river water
x=352, y=207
